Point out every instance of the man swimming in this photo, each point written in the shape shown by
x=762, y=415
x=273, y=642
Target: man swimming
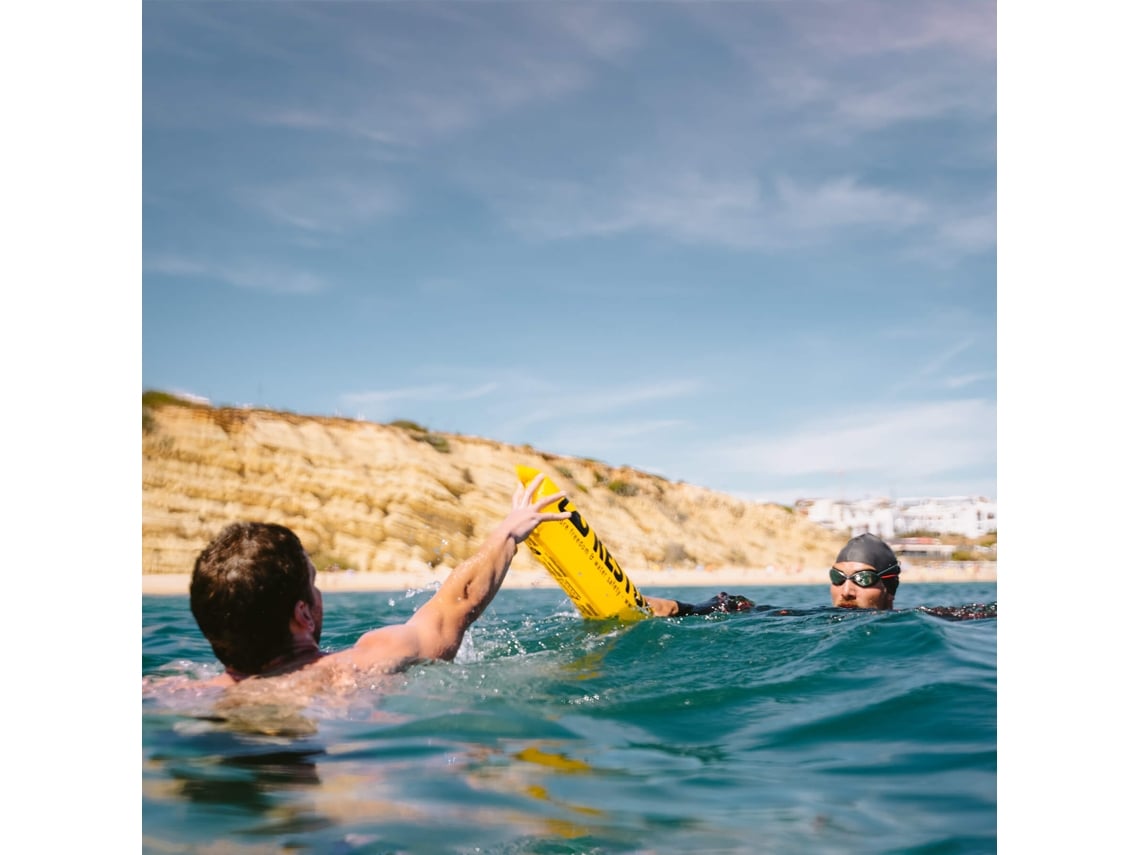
x=865, y=575
x=254, y=595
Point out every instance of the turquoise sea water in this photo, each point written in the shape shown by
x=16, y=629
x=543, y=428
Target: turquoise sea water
x=818, y=732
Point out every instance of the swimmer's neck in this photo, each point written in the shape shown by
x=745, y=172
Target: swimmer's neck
x=302, y=653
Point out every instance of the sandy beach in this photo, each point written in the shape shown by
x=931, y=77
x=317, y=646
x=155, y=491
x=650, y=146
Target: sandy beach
x=711, y=579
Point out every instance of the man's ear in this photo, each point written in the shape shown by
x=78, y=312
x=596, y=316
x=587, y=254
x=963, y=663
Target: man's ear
x=303, y=616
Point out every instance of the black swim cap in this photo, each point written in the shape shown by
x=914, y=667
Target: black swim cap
x=868, y=549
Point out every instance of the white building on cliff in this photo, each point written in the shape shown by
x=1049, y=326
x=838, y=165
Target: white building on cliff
x=961, y=515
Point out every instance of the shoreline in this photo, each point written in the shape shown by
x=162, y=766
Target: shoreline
x=712, y=579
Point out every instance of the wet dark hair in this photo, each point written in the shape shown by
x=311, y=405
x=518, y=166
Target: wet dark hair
x=869, y=549
x=243, y=591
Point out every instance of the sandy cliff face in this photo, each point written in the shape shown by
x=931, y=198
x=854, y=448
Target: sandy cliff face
x=383, y=497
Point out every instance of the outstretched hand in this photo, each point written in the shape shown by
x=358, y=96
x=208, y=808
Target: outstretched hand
x=527, y=514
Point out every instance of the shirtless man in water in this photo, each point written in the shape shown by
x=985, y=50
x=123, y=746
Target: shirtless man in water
x=254, y=596
x=865, y=576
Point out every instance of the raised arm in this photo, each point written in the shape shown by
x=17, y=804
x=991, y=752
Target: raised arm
x=437, y=629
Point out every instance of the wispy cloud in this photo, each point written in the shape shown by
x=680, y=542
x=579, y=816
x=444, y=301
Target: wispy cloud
x=535, y=410
x=971, y=231
x=874, y=27
x=254, y=275
x=683, y=205
x=606, y=438
x=920, y=375
x=726, y=210
x=331, y=204
x=961, y=381
x=892, y=444
x=598, y=401
x=483, y=64
x=845, y=201
x=432, y=392
x=863, y=65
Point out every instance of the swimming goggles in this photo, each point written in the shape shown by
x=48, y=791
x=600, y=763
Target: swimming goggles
x=863, y=578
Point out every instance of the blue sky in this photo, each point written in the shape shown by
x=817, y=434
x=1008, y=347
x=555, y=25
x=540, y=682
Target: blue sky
x=745, y=245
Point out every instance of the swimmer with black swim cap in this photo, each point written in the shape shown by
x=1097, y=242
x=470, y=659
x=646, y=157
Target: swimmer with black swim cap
x=865, y=576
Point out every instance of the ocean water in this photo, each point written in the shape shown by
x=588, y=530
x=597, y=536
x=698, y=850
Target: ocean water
x=822, y=731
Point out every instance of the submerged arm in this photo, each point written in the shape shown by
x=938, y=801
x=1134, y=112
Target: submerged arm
x=722, y=602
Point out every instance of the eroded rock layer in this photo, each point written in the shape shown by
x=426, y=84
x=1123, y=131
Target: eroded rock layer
x=374, y=497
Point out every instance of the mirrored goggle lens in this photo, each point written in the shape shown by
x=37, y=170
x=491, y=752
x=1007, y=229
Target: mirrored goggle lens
x=862, y=578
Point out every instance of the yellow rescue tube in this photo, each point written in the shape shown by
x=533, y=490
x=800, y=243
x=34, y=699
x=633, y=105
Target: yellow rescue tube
x=580, y=562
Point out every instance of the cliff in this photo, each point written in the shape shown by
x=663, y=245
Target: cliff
x=375, y=497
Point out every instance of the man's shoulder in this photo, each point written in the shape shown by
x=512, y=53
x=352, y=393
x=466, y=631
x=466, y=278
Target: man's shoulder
x=390, y=648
